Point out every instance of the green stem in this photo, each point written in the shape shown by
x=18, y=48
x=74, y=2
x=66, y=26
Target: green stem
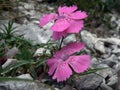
x=61, y=43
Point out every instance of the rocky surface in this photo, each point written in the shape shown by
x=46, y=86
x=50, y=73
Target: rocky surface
x=88, y=82
x=105, y=52
x=23, y=85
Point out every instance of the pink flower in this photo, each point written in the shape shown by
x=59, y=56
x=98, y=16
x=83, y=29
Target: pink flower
x=68, y=20
x=62, y=62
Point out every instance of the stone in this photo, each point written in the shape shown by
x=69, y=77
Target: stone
x=23, y=85
x=92, y=42
x=12, y=52
x=117, y=66
x=110, y=61
x=105, y=87
x=70, y=38
x=88, y=39
x=41, y=51
x=107, y=72
x=99, y=45
x=112, y=81
x=3, y=22
x=88, y=82
x=25, y=76
x=116, y=50
x=9, y=62
x=29, y=6
x=112, y=40
x=35, y=33
x=94, y=60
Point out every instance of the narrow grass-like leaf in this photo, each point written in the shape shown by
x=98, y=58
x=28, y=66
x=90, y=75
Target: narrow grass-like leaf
x=15, y=79
x=32, y=72
x=90, y=71
x=40, y=62
x=16, y=65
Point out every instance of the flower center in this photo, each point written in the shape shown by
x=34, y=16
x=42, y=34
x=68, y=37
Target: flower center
x=64, y=57
x=61, y=17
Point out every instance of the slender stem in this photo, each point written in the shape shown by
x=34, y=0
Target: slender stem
x=61, y=43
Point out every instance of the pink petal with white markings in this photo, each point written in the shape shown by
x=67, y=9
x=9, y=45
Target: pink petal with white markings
x=58, y=35
x=79, y=63
x=75, y=26
x=69, y=49
x=78, y=15
x=52, y=63
x=60, y=25
x=66, y=9
x=62, y=72
x=47, y=18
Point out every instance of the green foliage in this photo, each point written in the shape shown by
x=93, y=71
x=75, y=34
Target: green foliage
x=12, y=67
x=1, y=49
x=8, y=30
x=15, y=79
x=25, y=60
x=90, y=71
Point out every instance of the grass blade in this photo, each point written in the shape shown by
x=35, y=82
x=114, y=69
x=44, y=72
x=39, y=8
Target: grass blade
x=9, y=68
x=15, y=79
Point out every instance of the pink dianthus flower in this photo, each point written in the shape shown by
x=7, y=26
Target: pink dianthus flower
x=62, y=62
x=68, y=20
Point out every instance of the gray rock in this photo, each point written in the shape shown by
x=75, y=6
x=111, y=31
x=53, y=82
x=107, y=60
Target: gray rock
x=105, y=87
x=3, y=22
x=110, y=61
x=92, y=42
x=70, y=38
x=108, y=72
x=117, y=66
x=25, y=76
x=35, y=33
x=88, y=82
x=9, y=62
x=23, y=85
x=39, y=0
x=116, y=19
x=114, y=41
x=94, y=61
x=12, y=52
x=116, y=50
x=88, y=39
x=41, y=51
x=118, y=83
x=112, y=81
x=99, y=45
x=29, y=6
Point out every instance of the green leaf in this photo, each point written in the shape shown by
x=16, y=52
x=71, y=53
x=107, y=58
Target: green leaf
x=40, y=62
x=32, y=72
x=16, y=65
x=92, y=71
x=15, y=79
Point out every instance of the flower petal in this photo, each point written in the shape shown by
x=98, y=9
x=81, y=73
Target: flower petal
x=52, y=63
x=66, y=9
x=79, y=63
x=75, y=26
x=60, y=25
x=69, y=49
x=62, y=72
x=58, y=35
x=78, y=15
x=47, y=18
